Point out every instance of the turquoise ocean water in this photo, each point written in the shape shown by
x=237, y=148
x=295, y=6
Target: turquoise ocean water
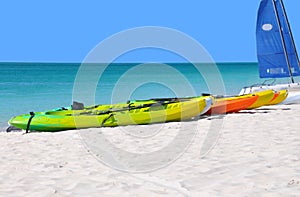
x=26, y=87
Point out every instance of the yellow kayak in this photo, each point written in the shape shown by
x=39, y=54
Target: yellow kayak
x=279, y=97
x=144, y=112
x=264, y=97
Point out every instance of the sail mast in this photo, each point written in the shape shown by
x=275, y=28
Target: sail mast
x=290, y=33
x=283, y=42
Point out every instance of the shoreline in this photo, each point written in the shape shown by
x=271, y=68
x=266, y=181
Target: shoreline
x=257, y=153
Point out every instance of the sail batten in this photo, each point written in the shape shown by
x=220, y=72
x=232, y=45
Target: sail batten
x=276, y=52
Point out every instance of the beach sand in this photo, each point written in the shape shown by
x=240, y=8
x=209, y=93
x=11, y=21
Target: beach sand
x=252, y=153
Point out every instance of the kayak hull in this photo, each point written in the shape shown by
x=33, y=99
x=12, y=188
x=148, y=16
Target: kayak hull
x=264, y=97
x=279, y=97
x=145, y=112
x=232, y=104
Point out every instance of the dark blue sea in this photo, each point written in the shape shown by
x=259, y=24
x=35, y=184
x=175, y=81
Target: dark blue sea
x=26, y=87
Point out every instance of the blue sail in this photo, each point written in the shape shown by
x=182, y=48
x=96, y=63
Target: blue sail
x=276, y=51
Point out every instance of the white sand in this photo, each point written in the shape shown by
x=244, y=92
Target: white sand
x=256, y=154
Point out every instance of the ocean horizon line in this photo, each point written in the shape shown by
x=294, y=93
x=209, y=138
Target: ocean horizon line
x=50, y=62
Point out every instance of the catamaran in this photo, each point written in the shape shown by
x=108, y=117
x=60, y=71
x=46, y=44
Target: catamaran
x=276, y=50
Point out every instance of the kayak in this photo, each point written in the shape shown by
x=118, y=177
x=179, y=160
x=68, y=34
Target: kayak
x=232, y=104
x=264, y=97
x=137, y=112
x=279, y=97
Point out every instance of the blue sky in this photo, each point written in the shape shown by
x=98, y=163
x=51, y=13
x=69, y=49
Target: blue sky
x=65, y=31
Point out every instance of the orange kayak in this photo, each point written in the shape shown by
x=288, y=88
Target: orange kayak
x=232, y=104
